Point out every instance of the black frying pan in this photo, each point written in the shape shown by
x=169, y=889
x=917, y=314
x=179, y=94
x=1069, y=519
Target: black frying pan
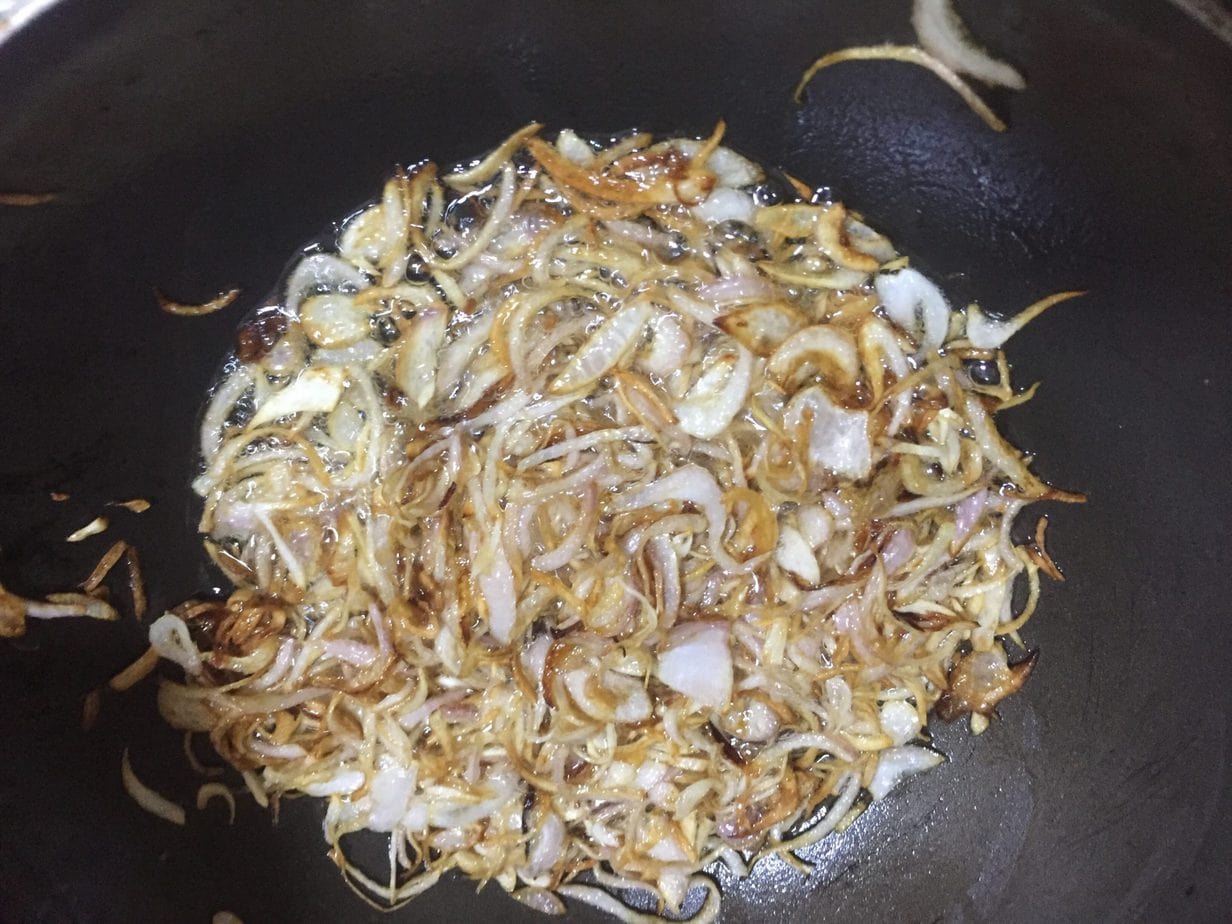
x=197, y=145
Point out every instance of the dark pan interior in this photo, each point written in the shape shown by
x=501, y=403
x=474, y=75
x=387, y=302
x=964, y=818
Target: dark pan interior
x=198, y=145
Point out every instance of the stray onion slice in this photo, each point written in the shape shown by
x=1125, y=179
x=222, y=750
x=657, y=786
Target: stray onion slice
x=28, y=199
x=986, y=333
x=85, y=604
x=135, y=672
x=982, y=679
x=898, y=763
x=943, y=35
x=136, y=583
x=109, y=560
x=186, y=310
x=908, y=54
x=210, y=791
x=147, y=798
x=136, y=504
x=93, y=528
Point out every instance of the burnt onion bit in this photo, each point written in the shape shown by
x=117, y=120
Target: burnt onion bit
x=259, y=333
x=979, y=680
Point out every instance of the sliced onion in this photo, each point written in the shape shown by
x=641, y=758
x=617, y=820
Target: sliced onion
x=967, y=515
x=218, y=303
x=147, y=798
x=986, y=333
x=210, y=791
x=169, y=636
x=669, y=345
x=574, y=149
x=615, y=339
x=900, y=720
x=897, y=550
x=899, y=763
x=831, y=233
x=321, y=272
x=316, y=390
x=725, y=204
x=733, y=289
x=908, y=54
x=795, y=555
x=390, y=793
x=333, y=320
x=540, y=900
x=415, y=367
x=730, y=168
x=717, y=395
x=495, y=582
x=829, y=349
x=762, y=328
x=697, y=662
x=93, y=528
x=342, y=783
x=837, y=438
x=916, y=305
x=943, y=35
x=689, y=484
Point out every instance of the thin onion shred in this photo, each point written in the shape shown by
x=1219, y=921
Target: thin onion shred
x=190, y=310
x=907, y=54
x=147, y=798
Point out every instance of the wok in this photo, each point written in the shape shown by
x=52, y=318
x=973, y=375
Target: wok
x=197, y=146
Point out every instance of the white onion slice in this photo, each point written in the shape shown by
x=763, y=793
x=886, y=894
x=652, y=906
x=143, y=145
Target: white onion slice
x=147, y=798
x=987, y=333
x=943, y=35
x=717, y=395
x=795, y=555
x=333, y=320
x=838, y=439
x=899, y=763
x=725, y=204
x=697, y=662
x=415, y=367
x=669, y=345
x=390, y=795
x=169, y=636
x=547, y=845
x=321, y=271
x=573, y=148
x=916, y=305
x=900, y=720
x=342, y=783
x=316, y=390
x=496, y=584
x=822, y=344
x=607, y=346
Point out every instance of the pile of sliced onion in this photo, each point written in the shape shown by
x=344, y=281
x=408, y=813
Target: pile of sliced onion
x=586, y=515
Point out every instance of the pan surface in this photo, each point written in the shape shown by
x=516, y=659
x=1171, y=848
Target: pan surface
x=197, y=146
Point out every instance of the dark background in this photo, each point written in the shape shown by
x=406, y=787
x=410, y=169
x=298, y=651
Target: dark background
x=197, y=146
